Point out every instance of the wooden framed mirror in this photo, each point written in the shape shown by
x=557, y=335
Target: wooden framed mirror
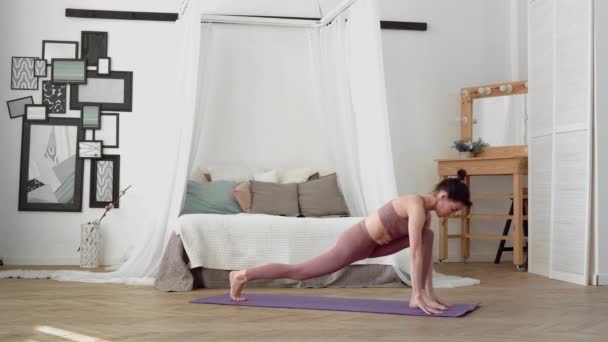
x=497, y=113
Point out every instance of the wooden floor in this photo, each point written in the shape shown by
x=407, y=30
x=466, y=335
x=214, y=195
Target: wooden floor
x=514, y=307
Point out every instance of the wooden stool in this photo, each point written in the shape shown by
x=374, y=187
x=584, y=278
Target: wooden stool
x=501, y=246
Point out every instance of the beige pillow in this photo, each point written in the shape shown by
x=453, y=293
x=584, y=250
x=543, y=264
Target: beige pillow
x=242, y=194
x=267, y=176
x=295, y=175
x=322, y=197
x=274, y=199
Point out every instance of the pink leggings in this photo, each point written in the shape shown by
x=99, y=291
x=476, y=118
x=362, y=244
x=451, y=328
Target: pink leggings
x=353, y=245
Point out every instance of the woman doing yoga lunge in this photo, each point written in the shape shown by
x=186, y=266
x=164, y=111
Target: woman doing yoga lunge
x=401, y=223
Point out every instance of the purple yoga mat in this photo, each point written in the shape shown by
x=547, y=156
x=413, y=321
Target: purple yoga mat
x=393, y=307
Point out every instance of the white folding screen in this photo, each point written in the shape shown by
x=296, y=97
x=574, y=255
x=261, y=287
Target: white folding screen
x=561, y=107
x=600, y=11
x=541, y=25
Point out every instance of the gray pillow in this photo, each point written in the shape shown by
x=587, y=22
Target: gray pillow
x=321, y=197
x=274, y=199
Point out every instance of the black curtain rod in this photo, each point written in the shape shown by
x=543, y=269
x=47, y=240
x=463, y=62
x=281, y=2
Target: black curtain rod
x=403, y=25
x=121, y=15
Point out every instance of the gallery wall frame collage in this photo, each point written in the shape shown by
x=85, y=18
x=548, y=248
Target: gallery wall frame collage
x=54, y=147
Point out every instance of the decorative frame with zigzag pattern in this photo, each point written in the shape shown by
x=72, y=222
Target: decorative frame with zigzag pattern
x=102, y=179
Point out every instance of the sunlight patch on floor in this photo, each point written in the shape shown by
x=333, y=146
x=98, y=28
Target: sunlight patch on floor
x=68, y=335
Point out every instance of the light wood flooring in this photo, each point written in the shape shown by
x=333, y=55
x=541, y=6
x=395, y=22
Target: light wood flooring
x=514, y=307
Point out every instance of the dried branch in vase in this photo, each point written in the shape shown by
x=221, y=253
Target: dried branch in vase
x=111, y=206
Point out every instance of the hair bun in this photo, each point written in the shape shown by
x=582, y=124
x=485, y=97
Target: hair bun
x=462, y=173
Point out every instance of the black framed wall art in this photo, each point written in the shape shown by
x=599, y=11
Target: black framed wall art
x=113, y=92
x=40, y=68
x=72, y=71
x=108, y=133
x=105, y=181
x=104, y=65
x=59, y=49
x=36, y=112
x=90, y=115
x=90, y=149
x=54, y=148
x=94, y=46
x=54, y=96
x=16, y=107
x=50, y=174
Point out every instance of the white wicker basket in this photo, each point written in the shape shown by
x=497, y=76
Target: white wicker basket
x=89, y=245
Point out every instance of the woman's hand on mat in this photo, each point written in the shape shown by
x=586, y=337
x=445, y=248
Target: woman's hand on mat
x=418, y=301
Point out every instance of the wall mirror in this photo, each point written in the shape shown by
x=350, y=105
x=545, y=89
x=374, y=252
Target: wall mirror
x=496, y=113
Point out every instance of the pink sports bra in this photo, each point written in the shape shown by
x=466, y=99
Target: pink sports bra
x=395, y=225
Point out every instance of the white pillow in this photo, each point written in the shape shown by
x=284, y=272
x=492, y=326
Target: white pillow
x=268, y=176
x=296, y=175
x=235, y=173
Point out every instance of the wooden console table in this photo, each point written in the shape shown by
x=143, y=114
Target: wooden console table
x=516, y=166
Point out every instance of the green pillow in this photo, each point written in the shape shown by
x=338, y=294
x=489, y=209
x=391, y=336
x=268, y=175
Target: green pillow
x=211, y=198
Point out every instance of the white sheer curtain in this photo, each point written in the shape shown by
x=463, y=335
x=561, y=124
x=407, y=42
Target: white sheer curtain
x=347, y=60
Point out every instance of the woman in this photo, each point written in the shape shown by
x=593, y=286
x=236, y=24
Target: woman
x=401, y=223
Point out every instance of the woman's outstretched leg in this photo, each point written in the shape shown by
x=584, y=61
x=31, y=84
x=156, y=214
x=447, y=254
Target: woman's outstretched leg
x=353, y=245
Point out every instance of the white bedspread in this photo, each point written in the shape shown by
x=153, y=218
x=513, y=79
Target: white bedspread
x=233, y=242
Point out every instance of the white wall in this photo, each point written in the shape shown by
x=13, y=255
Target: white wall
x=468, y=43
x=146, y=135
x=601, y=136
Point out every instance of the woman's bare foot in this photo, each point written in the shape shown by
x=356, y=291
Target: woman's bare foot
x=237, y=282
x=433, y=297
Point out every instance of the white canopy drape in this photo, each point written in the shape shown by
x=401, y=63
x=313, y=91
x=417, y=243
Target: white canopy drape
x=347, y=58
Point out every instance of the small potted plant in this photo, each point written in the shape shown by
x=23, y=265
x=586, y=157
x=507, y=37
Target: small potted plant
x=90, y=238
x=468, y=148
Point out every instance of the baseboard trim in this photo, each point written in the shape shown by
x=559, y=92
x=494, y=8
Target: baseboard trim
x=479, y=258
x=579, y=279
x=602, y=279
x=41, y=261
